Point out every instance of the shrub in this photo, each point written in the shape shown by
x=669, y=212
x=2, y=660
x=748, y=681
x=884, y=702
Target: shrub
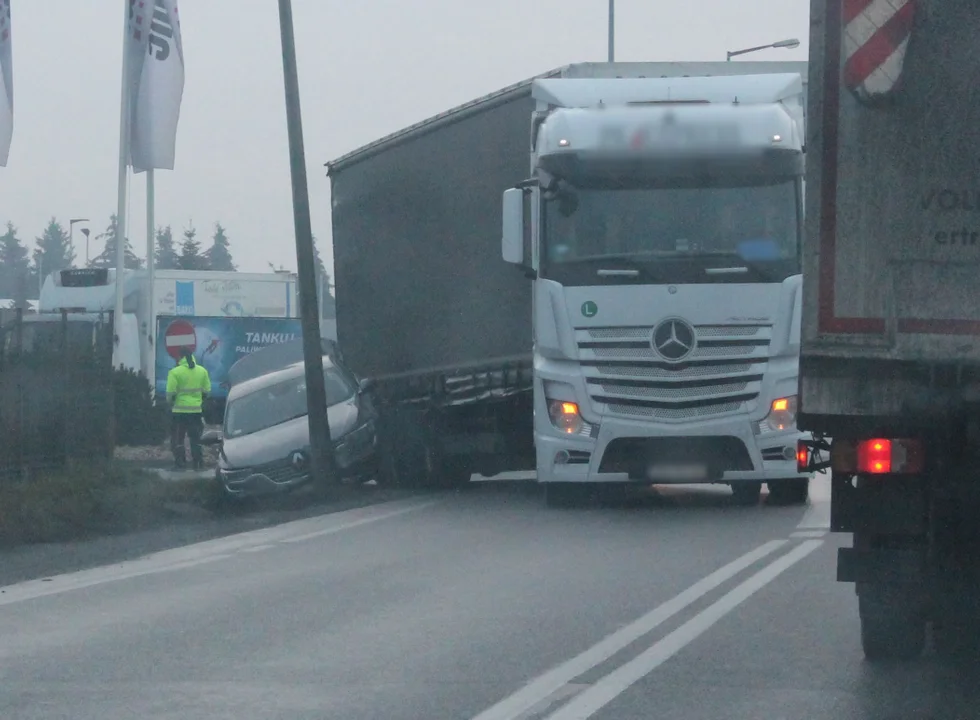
x=139, y=421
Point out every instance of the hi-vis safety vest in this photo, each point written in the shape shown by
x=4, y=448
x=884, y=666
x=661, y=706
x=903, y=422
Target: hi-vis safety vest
x=186, y=386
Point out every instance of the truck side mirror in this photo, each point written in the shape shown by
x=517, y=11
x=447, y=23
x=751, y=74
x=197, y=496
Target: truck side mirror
x=512, y=244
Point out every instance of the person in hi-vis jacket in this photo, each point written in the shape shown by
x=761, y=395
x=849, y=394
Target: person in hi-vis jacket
x=188, y=384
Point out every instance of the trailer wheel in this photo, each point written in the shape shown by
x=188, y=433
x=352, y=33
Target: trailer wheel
x=794, y=491
x=456, y=472
x=746, y=493
x=890, y=629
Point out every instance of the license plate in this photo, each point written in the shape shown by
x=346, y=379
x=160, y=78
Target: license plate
x=677, y=473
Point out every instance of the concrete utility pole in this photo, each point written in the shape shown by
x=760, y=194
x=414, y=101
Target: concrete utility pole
x=321, y=445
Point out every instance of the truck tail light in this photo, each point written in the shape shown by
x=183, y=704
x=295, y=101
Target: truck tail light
x=802, y=457
x=879, y=456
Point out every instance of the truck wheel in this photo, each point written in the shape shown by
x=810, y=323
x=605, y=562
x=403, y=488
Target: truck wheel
x=794, y=491
x=456, y=472
x=746, y=493
x=890, y=630
x=955, y=628
x=565, y=495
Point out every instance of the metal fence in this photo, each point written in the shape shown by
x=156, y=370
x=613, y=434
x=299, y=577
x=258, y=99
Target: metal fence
x=56, y=392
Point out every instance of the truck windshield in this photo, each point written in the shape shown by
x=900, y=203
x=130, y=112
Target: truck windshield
x=672, y=234
x=280, y=403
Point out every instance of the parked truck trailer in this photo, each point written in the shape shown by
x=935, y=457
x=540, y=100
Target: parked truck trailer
x=890, y=365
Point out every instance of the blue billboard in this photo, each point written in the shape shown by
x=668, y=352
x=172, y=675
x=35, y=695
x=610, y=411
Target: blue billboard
x=217, y=343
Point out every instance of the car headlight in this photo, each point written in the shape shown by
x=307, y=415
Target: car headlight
x=782, y=415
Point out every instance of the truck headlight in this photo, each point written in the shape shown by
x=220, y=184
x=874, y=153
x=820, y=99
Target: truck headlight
x=782, y=415
x=565, y=416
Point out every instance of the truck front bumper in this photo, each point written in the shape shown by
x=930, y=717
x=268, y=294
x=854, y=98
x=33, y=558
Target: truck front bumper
x=625, y=450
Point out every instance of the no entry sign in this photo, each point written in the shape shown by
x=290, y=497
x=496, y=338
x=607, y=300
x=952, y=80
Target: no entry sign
x=180, y=335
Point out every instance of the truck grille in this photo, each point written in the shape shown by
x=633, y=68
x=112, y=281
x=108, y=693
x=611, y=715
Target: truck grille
x=626, y=376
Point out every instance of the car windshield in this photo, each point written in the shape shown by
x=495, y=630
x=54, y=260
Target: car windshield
x=280, y=403
x=705, y=227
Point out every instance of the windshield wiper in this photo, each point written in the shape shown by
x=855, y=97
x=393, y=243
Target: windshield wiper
x=739, y=264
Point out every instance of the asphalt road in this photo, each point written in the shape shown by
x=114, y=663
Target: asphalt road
x=478, y=606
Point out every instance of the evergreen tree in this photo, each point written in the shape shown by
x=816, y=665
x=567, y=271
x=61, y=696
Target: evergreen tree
x=165, y=256
x=190, y=252
x=107, y=258
x=54, y=251
x=15, y=271
x=218, y=256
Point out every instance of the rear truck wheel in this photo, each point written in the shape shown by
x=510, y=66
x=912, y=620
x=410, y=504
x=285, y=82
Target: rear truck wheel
x=955, y=636
x=892, y=626
x=746, y=493
x=444, y=472
x=565, y=494
x=793, y=491
x=457, y=471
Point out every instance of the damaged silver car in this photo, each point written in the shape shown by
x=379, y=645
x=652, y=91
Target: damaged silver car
x=265, y=442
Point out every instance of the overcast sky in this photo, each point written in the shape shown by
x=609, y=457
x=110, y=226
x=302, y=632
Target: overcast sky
x=366, y=68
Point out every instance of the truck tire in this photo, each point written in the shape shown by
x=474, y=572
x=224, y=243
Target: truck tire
x=890, y=628
x=793, y=491
x=565, y=494
x=746, y=493
x=456, y=472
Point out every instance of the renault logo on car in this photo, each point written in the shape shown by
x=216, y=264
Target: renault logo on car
x=674, y=339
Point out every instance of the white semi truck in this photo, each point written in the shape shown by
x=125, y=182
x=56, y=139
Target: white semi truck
x=661, y=228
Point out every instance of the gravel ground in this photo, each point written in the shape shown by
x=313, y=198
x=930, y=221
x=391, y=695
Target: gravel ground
x=156, y=455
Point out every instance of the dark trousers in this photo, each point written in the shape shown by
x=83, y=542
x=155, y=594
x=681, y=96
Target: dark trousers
x=189, y=425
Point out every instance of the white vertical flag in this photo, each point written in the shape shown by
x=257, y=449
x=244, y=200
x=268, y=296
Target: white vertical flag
x=157, y=84
x=6, y=84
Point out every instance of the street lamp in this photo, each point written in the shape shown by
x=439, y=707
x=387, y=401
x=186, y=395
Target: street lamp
x=612, y=30
x=788, y=44
x=71, y=234
x=85, y=232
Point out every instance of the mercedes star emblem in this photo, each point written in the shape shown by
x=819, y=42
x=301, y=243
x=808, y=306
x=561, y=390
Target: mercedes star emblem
x=673, y=339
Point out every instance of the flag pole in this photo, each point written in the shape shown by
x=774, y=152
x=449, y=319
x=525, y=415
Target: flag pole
x=150, y=367
x=117, y=315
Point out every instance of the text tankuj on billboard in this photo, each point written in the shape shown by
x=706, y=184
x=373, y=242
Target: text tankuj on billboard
x=255, y=341
x=217, y=343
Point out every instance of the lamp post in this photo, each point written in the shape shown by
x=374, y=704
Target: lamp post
x=612, y=30
x=789, y=44
x=71, y=234
x=86, y=232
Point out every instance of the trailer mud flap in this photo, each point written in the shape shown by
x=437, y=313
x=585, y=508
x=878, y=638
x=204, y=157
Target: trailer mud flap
x=890, y=506
x=883, y=566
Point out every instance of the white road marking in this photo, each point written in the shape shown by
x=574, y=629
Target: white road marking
x=542, y=687
x=600, y=694
x=808, y=534
x=357, y=523
x=259, y=548
x=817, y=515
x=207, y=551
x=563, y=694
